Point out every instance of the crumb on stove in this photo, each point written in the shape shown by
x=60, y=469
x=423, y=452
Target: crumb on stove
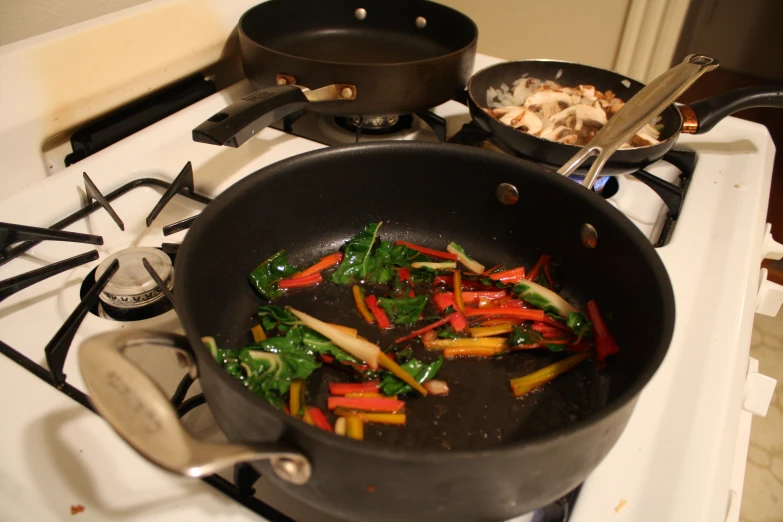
x=371, y=488
x=620, y=505
x=78, y=508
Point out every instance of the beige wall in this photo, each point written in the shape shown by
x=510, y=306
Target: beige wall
x=576, y=30
x=20, y=19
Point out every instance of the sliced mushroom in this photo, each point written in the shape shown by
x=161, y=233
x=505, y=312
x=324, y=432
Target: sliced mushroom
x=524, y=120
x=502, y=111
x=587, y=114
x=643, y=139
x=548, y=102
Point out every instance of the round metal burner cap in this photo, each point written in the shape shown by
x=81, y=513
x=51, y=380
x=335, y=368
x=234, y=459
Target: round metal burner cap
x=132, y=286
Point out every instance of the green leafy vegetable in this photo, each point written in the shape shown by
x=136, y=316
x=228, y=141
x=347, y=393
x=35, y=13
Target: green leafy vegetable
x=391, y=385
x=387, y=258
x=422, y=275
x=265, y=277
x=579, y=324
x=267, y=368
x=404, y=310
x=358, y=257
x=448, y=333
x=273, y=316
x=522, y=335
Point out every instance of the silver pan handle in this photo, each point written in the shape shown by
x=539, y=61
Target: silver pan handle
x=637, y=112
x=141, y=414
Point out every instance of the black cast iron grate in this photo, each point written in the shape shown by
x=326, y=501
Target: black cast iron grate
x=15, y=240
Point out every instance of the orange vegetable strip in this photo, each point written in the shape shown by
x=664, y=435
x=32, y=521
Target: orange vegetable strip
x=492, y=342
x=509, y=276
x=490, y=270
x=543, y=260
x=325, y=262
x=308, y=418
x=301, y=282
x=341, y=388
x=319, y=419
x=458, y=291
x=383, y=405
x=522, y=385
x=386, y=362
x=488, y=331
x=370, y=395
x=378, y=418
x=426, y=329
x=470, y=351
x=354, y=428
x=353, y=332
x=532, y=315
x=358, y=298
x=296, y=396
x=258, y=333
x=430, y=252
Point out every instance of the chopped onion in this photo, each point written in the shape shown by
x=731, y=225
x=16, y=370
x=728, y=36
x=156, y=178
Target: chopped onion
x=436, y=387
x=626, y=83
x=359, y=348
x=559, y=74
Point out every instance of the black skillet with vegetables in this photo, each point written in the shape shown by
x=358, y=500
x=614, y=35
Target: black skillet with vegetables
x=457, y=307
x=428, y=195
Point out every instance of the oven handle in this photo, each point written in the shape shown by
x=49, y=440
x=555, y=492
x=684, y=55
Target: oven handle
x=241, y=120
x=140, y=413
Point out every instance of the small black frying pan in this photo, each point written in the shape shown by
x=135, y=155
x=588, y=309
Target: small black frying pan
x=696, y=118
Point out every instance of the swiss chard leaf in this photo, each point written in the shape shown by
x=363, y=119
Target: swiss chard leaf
x=579, y=324
x=391, y=385
x=422, y=275
x=265, y=277
x=358, y=257
x=522, y=335
x=404, y=310
x=267, y=368
x=448, y=333
x=273, y=316
x=387, y=258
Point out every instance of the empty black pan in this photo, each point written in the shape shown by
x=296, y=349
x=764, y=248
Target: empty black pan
x=696, y=118
x=355, y=58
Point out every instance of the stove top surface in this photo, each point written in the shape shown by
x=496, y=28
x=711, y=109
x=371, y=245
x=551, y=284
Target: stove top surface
x=669, y=460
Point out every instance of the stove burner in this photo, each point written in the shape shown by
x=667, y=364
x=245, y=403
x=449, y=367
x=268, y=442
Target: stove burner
x=376, y=126
x=132, y=294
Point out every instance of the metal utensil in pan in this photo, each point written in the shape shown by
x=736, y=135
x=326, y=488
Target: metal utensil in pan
x=535, y=454
x=696, y=118
x=382, y=58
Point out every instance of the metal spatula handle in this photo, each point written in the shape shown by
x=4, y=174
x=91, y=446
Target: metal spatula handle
x=637, y=112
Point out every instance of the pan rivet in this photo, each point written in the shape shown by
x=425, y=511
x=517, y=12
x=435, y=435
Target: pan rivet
x=421, y=22
x=589, y=236
x=507, y=194
x=346, y=92
x=360, y=13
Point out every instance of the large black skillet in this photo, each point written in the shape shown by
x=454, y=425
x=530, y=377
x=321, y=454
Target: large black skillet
x=696, y=118
x=428, y=194
x=356, y=57
x=503, y=456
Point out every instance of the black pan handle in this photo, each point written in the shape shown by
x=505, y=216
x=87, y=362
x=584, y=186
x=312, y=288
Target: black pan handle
x=241, y=120
x=708, y=112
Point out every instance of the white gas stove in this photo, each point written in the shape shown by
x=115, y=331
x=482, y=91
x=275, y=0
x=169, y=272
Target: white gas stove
x=680, y=458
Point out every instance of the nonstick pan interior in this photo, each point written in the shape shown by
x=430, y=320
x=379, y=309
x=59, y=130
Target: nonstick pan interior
x=332, y=32
x=309, y=205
